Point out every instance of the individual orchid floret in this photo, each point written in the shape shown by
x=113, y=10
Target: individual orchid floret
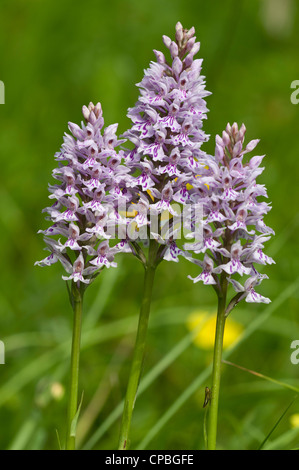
x=247, y=291
x=74, y=238
x=92, y=181
x=104, y=256
x=208, y=272
x=77, y=271
x=53, y=257
x=235, y=265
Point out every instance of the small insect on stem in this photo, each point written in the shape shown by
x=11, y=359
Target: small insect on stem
x=207, y=396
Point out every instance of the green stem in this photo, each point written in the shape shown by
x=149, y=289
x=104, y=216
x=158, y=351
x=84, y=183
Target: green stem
x=77, y=299
x=139, y=349
x=218, y=347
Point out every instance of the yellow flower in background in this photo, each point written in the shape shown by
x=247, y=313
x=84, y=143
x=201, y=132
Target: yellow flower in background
x=294, y=420
x=206, y=323
x=57, y=390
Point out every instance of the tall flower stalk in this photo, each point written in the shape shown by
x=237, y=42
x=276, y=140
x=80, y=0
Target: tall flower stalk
x=233, y=239
x=139, y=349
x=77, y=304
x=91, y=184
x=217, y=358
x=165, y=164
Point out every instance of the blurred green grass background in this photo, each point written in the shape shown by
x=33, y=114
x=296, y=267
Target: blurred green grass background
x=57, y=56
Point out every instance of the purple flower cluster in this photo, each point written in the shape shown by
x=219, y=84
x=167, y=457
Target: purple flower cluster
x=91, y=184
x=166, y=170
x=234, y=231
x=167, y=135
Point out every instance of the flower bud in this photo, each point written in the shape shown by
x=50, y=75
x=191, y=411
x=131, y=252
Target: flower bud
x=76, y=131
x=235, y=130
x=188, y=60
x=167, y=41
x=190, y=33
x=160, y=57
x=252, y=144
x=85, y=112
x=228, y=128
x=177, y=66
x=219, y=153
x=179, y=26
x=237, y=149
x=195, y=48
x=174, y=50
x=190, y=43
x=242, y=132
x=179, y=32
x=225, y=138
